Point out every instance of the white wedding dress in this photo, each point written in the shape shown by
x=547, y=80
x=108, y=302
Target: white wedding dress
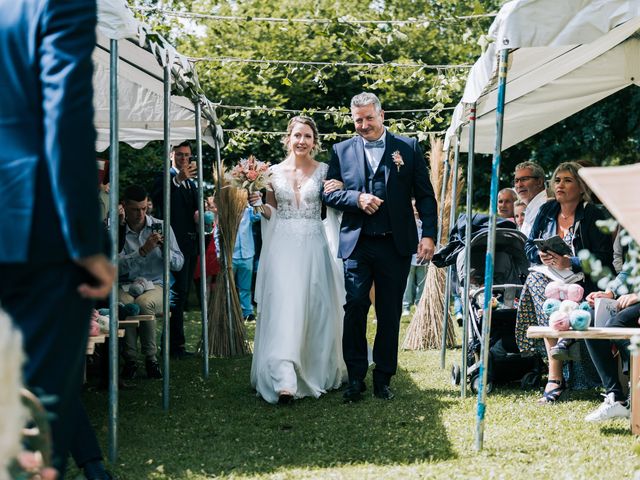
x=300, y=296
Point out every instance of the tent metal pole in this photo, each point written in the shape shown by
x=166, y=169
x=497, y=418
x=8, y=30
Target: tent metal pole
x=114, y=222
x=452, y=219
x=166, y=252
x=203, y=259
x=467, y=252
x=491, y=240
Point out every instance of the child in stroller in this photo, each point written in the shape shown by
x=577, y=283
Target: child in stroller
x=510, y=270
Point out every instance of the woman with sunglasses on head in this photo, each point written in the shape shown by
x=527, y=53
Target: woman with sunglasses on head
x=572, y=217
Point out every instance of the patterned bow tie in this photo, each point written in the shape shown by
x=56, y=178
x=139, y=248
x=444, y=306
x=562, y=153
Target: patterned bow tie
x=376, y=144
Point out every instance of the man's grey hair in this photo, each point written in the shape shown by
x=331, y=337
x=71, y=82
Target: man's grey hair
x=536, y=170
x=511, y=191
x=365, y=98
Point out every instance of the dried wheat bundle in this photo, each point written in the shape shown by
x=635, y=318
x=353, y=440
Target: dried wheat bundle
x=227, y=334
x=425, y=329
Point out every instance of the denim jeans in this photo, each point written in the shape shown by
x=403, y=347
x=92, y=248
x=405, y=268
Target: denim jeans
x=415, y=285
x=243, y=271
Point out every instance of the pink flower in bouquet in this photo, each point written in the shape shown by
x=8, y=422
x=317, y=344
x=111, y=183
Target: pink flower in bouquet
x=250, y=174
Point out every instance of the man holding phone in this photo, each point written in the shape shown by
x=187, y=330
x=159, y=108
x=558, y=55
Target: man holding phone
x=141, y=258
x=184, y=205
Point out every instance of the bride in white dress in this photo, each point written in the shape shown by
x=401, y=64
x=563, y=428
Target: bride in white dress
x=300, y=286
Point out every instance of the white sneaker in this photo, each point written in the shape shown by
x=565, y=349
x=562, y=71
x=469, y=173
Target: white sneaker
x=608, y=410
x=406, y=312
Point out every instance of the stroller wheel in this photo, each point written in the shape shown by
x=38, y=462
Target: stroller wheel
x=475, y=385
x=530, y=381
x=455, y=375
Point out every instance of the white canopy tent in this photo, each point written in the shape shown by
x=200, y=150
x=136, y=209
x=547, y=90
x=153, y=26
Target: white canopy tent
x=137, y=79
x=140, y=83
x=550, y=59
x=140, y=98
x=562, y=70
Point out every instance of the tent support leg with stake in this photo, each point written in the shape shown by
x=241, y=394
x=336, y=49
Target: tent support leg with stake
x=491, y=240
x=166, y=252
x=203, y=260
x=113, y=237
x=467, y=253
x=452, y=219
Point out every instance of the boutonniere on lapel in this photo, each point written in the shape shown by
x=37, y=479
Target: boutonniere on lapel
x=397, y=159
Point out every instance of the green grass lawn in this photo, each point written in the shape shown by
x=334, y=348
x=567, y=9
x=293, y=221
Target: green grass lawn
x=219, y=428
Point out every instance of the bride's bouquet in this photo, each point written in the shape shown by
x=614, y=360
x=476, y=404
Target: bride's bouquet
x=252, y=175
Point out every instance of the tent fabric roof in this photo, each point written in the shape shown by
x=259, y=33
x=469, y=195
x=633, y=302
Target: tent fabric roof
x=549, y=83
x=140, y=83
x=536, y=23
x=140, y=98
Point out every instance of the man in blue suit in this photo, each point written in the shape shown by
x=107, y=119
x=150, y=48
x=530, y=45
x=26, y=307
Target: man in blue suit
x=51, y=263
x=381, y=172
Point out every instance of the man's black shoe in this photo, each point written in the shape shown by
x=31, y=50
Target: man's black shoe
x=383, y=392
x=129, y=371
x=353, y=392
x=250, y=318
x=153, y=369
x=181, y=354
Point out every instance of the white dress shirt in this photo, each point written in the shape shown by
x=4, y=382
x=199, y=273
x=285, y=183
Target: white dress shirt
x=374, y=155
x=132, y=265
x=531, y=212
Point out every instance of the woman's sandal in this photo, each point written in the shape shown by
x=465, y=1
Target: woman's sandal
x=553, y=395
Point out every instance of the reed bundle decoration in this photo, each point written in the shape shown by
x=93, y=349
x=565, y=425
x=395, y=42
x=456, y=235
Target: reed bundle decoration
x=425, y=329
x=227, y=333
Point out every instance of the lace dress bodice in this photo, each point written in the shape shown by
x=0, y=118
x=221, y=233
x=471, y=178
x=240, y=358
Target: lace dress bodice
x=299, y=215
x=307, y=204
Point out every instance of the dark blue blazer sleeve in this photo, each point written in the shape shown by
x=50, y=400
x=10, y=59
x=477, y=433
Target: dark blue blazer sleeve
x=345, y=200
x=66, y=69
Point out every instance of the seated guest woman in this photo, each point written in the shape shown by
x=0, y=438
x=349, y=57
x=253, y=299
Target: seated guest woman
x=615, y=402
x=572, y=217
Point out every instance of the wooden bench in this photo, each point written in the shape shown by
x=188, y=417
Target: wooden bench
x=139, y=318
x=102, y=338
x=130, y=320
x=614, y=333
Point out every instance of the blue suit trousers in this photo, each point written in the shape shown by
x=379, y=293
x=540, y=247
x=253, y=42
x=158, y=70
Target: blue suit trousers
x=44, y=303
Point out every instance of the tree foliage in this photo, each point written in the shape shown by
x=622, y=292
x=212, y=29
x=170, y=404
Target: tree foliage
x=439, y=39
x=606, y=133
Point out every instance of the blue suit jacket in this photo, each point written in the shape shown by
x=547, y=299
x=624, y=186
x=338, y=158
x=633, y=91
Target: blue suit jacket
x=48, y=174
x=412, y=179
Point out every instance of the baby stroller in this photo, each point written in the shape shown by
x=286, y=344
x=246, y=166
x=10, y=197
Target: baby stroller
x=511, y=267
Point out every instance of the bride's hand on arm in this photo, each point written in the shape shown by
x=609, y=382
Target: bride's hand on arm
x=332, y=185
